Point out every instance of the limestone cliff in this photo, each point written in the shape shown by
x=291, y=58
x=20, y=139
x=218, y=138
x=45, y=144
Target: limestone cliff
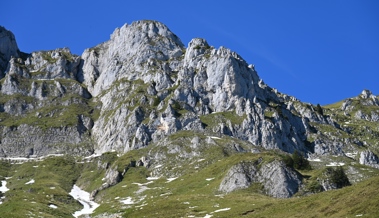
x=143, y=85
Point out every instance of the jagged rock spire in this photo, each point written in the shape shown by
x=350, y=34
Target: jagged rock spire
x=8, y=48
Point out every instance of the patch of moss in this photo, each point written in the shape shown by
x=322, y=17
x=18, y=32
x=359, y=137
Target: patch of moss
x=214, y=119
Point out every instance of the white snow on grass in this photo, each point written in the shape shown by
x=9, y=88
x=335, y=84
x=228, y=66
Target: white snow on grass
x=127, y=201
x=214, y=137
x=220, y=210
x=351, y=155
x=30, y=182
x=142, y=184
x=84, y=198
x=315, y=160
x=53, y=206
x=208, y=216
x=171, y=179
x=93, y=156
x=209, y=179
x=3, y=187
x=152, y=178
x=335, y=164
x=165, y=194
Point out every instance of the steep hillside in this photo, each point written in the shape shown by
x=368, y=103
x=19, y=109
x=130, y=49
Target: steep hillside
x=151, y=127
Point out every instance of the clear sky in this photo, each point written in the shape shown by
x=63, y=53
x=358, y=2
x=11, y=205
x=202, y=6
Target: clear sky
x=320, y=51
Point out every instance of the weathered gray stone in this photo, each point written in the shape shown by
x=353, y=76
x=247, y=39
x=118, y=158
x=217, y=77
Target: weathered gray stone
x=277, y=179
x=8, y=49
x=369, y=158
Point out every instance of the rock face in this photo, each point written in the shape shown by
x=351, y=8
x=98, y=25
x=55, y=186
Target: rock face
x=277, y=179
x=133, y=52
x=28, y=141
x=368, y=158
x=148, y=60
x=8, y=49
x=143, y=85
x=44, y=109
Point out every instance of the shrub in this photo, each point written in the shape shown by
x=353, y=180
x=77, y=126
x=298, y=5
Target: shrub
x=314, y=187
x=338, y=177
x=288, y=161
x=299, y=162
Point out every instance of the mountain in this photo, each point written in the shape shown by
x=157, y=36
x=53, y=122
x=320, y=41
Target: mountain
x=151, y=127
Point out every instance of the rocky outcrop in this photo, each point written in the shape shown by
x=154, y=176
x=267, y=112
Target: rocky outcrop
x=8, y=49
x=277, y=179
x=44, y=110
x=136, y=51
x=145, y=57
x=32, y=141
x=333, y=178
x=368, y=158
x=143, y=85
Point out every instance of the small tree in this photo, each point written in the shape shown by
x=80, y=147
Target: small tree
x=299, y=162
x=288, y=161
x=339, y=177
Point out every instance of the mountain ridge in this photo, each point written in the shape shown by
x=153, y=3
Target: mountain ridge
x=141, y=99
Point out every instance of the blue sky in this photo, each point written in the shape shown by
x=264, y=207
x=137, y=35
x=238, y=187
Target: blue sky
x=320, y=51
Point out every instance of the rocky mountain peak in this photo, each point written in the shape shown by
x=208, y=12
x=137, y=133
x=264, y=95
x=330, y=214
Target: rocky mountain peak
x=367, y=94
x=131, y=53
x=8, y=48
x=144, y=107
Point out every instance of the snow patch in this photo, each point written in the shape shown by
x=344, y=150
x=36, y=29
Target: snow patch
x=152, y=178
x=53, y=206
x=26, y=159
x=214, y=137
x=30, y=182
x=335, y=164
x=92, y=156
x=220, y=210
x=127, y=201
x=3, y=187
x=171, y=179
x=84, y=198
x=208, y=216
x=315, y=160
x=351, y=155
x=142, y=184
x=164, y=194
x=209, y=179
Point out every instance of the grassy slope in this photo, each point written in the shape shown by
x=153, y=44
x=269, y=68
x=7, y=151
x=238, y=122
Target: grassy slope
x=193, y=195
x=53, y=178
x=196, y=194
